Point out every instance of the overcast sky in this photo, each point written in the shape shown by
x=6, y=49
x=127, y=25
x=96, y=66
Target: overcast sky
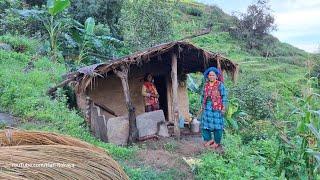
x=298, y=21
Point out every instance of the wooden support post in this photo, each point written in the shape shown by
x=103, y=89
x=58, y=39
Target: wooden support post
x=88, y=110
x=133, y=130
x=174, y=78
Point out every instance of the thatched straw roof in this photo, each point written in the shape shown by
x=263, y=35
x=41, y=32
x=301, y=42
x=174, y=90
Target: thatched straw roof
x=190, y=59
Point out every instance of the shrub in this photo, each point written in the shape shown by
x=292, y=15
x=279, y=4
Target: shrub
x=194, y=11
x=146, y=23
x=20, y=43
x=106, y=12
x=253, y=99
x=239, y=162
x=16, y=20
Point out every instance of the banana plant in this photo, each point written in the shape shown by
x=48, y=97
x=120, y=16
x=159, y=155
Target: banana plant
x=232, y=111
x=53, y=26
x=83, y=38
x=89, y=32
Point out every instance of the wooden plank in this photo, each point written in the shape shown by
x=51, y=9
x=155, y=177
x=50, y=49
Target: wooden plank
x=104, y=107
x=62, y=84
x=133, y=130
x=174, y=78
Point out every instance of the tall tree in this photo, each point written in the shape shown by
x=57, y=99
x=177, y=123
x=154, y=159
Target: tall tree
x=255, y=24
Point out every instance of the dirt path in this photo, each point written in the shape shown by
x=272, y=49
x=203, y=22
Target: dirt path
x=168, y=153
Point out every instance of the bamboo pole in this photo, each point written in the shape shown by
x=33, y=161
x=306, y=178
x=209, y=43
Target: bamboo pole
x=174, y=78
x=133, y=130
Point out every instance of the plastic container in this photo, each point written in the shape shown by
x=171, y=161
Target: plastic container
x=195, y=126
x=181, y=122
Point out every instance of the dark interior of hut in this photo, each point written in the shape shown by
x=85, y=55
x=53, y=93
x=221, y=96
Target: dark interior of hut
x=161, y=85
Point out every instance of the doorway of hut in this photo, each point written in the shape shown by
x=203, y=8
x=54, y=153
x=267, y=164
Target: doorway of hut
x=161, y=84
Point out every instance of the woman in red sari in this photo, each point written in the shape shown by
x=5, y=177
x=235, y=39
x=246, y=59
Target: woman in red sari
x=150, y=94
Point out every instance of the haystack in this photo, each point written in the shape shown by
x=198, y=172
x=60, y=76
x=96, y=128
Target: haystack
x=17, y=138
x=43, y=155
x=57, y=162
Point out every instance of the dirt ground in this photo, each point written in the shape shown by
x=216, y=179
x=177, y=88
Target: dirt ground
x=169, y=153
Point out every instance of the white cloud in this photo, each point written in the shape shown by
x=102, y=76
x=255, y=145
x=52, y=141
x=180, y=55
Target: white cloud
x=294, y=5
x=298, y=22
x=309, y=47
x=301, y=18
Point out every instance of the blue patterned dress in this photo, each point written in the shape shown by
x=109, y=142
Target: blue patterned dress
x=213, y=119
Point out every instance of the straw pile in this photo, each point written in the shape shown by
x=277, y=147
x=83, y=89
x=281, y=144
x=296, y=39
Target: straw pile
x=57, y=162
x=41, y=155
x=17, y=138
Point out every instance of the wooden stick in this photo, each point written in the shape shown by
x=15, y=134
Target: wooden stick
x=133, y=130
x=62, y=84
x=174, y=78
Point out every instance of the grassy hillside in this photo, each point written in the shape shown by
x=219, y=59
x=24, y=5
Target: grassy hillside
x=25, y=75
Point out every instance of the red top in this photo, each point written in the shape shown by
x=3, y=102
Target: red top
x=151, y=89
x=214, y=93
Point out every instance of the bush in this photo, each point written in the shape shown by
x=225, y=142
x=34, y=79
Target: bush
x=253, y=99
x=20, y=43
x=239, y=162
x=16, y=20
x=146, y=23
x=194, y=102
x=194, y=11
x=106, y=12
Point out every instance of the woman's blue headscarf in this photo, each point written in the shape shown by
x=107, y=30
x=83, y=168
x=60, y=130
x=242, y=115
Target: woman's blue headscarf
x=206, y=73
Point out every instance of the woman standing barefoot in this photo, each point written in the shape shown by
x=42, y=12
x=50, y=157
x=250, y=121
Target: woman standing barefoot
x=214, y=102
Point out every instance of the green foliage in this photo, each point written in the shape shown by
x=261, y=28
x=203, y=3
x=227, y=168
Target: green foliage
x=220, y=42
x=315, y=149
x=298, y=159
x=239, y=162
x=20, y=44
x=146, y=23
x=16, y=20
x=89, y=43
x=253, y=99
x=57, y=6
x=106, y=12
x=54, y=26
x=232, y=113
x=193, y=11
x=35, y=2
x=146, y=173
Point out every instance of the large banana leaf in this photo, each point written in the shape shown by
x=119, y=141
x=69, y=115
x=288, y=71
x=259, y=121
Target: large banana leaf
x=233, y=108
x=57, y=6
x=89, y=25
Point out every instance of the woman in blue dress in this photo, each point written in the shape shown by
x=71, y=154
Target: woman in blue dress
x=214, y=102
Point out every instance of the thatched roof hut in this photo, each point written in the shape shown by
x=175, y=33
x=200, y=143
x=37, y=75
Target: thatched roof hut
x=115, y=86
